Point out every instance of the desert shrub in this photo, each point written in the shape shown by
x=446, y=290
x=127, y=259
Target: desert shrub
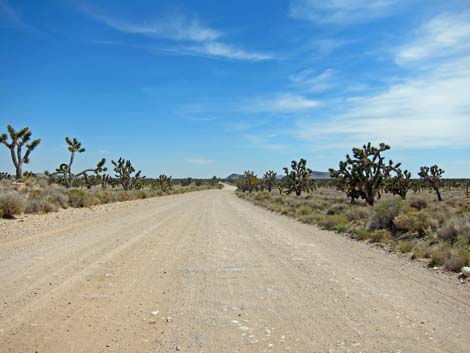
x=405, y=246
x=309, y=219
x=331, y=222
x=379, y=236
x=412, y=222
x=456, y=228
x=335, y=208
x=79, y=198
x=263, y=196
x=40, y=206
x=439, y=255
x=384, y=213
x=418, y=203
x=58, y=195
x=279, y=200
x=304, y=211
x=360, y=233
x=341, y=227
x=356, y=213
x=457, y=259
x=11, y=204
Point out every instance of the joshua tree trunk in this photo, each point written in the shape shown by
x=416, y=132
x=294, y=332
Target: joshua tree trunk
x=438, y=194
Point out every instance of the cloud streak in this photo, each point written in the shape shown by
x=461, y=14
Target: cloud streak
x=281, y=103
x=200, y=161
x=442, y=36
x=426, y=112
x=175, y=27
x=341, y=12
x=201, y=40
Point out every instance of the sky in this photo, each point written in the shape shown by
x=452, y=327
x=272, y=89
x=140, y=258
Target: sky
x=203, y=88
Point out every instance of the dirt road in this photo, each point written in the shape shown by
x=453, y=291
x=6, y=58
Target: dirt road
x=208, y=272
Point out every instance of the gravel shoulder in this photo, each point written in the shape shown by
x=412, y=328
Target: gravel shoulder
x=208, y=272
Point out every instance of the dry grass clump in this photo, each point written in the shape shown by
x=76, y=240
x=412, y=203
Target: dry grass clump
x=454, y=229
x=11, y=204
x=384, y=213
x=39, y=196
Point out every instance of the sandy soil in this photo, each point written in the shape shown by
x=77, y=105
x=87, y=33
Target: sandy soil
x=208, y=272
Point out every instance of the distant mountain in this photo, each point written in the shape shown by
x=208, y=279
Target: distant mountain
x=321, y=175
x=233, y=176
x=316, y=175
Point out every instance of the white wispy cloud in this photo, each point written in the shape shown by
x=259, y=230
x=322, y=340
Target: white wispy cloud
x=200, y=161
x=174, y=27
x=442, y=36
x=341, y=11
x=314, y=82
x=281, y=103
x=218, y=49
x=199, y=39
x=429, y=111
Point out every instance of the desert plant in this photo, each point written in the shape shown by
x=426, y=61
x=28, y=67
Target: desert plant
x=124, y=170
x=384, y=213
x=4, y=176
x=270, y=179
x=297, y=180
x=65, y=169
x=399, y=184
x=11, y=204
x=247, y=182
x=164, y=183
x=18, y=140
x=433, y=177
x=363, y=174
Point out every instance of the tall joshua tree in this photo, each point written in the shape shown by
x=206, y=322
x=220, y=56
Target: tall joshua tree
x=65, y=169
x=298, y=178
x=433, y=177
x=19, y=139
x=363, y=175
x=124, y=170
x=270, y=178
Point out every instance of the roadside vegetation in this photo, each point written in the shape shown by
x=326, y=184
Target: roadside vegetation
x=26, y=192
x=374, y=200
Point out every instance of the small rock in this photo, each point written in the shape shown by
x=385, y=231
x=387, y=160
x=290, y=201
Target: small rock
x=466, y=271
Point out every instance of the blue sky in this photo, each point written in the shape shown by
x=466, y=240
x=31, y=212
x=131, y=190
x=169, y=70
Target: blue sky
x=203, y=88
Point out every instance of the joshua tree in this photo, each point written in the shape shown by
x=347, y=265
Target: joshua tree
x=124, y=170
x=281, y=184
x=4, y=176
x=433, y=177
x=270, y=179
x=164, y=182
x=298, y=178
x=18, y=140
x=363, y=174
x=399, y=184
x=247, y=182
x=65, y=169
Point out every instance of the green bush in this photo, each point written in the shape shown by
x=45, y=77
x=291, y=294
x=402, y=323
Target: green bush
x=384, y=213
x=405, y=247
x=79, y=198
x=331, y=222
x=360, y=233
x=380, y=236
x=412, y=222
